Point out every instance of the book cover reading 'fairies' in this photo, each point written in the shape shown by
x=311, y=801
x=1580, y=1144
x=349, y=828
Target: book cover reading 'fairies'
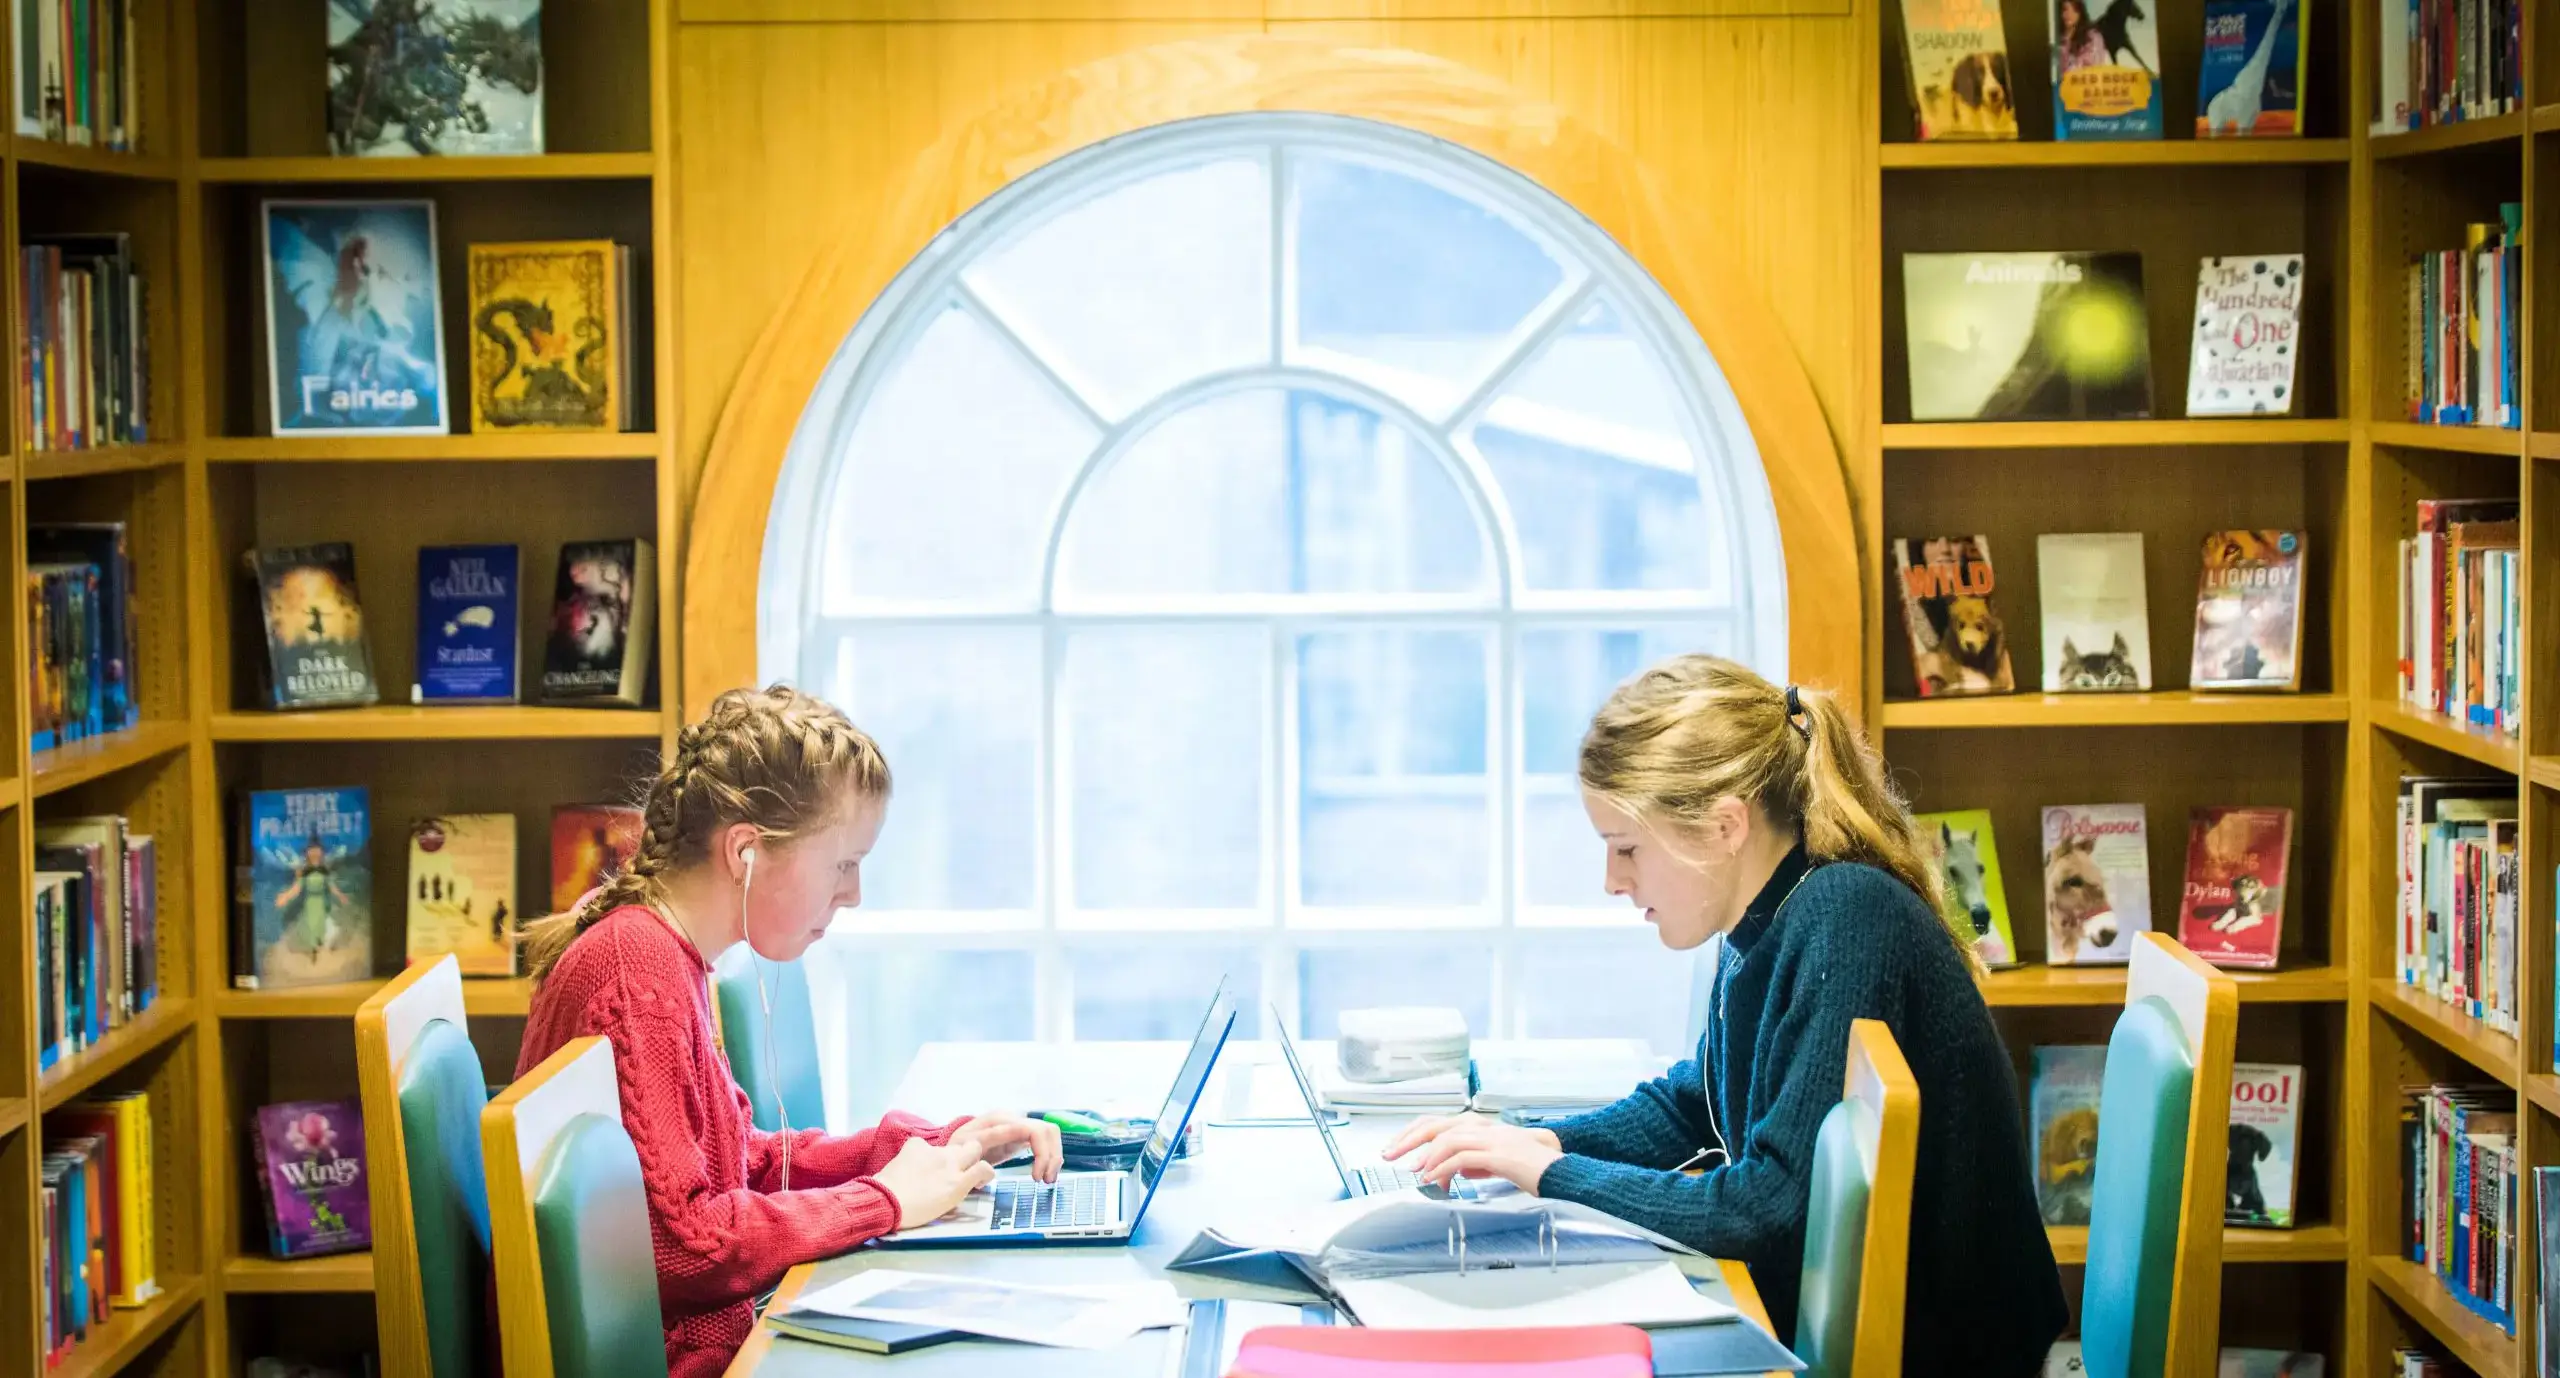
x=312, y=1174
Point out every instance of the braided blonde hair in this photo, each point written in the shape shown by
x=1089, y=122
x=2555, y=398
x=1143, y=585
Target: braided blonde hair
x=1698, y=728
x=785, y=761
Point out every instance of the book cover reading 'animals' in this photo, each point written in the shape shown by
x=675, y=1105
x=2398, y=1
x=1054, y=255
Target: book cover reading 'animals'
x=2097, y=621
x=2249, y=611
x=355, y=341
x=462, y=892
x=2266, y=1120
x=1958, y=645
x=316, y=656
x=306, y=888
x=2106, y=69
x=2097, y=883
x=2026, y=336
x=1969, y=876
x=1956, y=61
x=466, y=624
x=2252, y=80
x=546, y=336
x=2231, y=904
x=312, y=1178
x=2063, y=1102
x=2248, y=314
x=590, y=844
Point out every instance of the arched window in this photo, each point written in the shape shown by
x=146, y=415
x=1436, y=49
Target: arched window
x=1228, y=530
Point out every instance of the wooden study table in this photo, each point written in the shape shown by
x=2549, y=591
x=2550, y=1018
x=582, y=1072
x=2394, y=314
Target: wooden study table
x=1238, y=1166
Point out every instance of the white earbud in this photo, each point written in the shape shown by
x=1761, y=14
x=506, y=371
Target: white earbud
x=764, y=999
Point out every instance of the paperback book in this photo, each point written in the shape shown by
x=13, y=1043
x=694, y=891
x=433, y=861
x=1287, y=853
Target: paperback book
x=1956, y=61
x=604, y=613
x=1958, y=642
x=2231, y=903
x=462, y=892
x=2106, y=70
x=1969, y=877
x=2266, y=1127
x=2252, y=79
x=455, y=77
x=590, y=844
x=547, y=346
x=467, y=627
x=355, y=342
x=2026, y=336
x=2249, y=612
x=2063, y=1102
x=2097, y=628
x=306, y=889
x=311, y=1178
x=2248, y=319
x=2097, y=883
x=314, y=626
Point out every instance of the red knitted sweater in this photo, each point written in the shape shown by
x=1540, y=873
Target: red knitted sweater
x=723, y=1230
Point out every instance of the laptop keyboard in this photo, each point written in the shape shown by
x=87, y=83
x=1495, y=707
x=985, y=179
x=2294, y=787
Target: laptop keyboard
x=1378, y=1181
x=1070, y=1202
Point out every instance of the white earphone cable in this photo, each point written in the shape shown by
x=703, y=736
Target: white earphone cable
x=764, y=998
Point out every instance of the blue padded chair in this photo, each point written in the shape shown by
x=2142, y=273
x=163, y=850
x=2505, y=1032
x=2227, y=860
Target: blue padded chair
x=1857, y=1243
x=423, y=1091
x=790, y=1079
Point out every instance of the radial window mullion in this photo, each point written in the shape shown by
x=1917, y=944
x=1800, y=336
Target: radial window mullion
x=976, y=304
x=1552, y=316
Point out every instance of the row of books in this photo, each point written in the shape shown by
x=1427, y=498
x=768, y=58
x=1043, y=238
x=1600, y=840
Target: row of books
x=604, y=611
x=303, y=879
x=77, y=81
x=2459, y=888
x=2097, y=883
x=547, y=330
x=2095, y=609
x=84, y=359
x=2460, y=624
x=2065, y=336
x=98, y=1218
x=2266, y=1130
x=2461, y=1205
x=2105, y=69
x=2465, y=327
x=2446, y=61
x=97, y=931
x=82, y=641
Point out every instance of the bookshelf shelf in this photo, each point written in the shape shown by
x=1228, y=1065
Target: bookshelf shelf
x=547, y=167
x=2545, y=771
x=2544, y=444
x=13, y=1115
x=62, y=157
x=2476, y=745
x=8, y=467
x=2543, y=1089
x=125, y=1334
x=106, y=459
x=84, y=761
x=459, y=724
x=2489, y=1351
x=1899, y=157
x=406, y=448
x=2309, y=1244
x=2546, y=118
x=2495, y=441
x=2172, y=708
x=2092, y=435
x=2032, y=987
x=480, y=995
x=64, y=1081
x=2444, y=137
x=2458, y=1033
x=332, y=1273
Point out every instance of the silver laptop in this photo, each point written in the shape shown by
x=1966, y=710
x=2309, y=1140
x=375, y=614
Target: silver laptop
x=1375, y=1180
x=1090, y=1206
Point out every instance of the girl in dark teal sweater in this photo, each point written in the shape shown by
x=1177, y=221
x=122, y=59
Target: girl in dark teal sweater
x=1732, y=808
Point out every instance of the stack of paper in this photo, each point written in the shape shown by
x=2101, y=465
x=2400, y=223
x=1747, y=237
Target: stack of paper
x=1069, y=1317
x=1402, y=1044
x=1446, y=1091
x=1564, y=1074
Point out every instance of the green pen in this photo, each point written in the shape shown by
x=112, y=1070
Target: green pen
x=1069, y=1122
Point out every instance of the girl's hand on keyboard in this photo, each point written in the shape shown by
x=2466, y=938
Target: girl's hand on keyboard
x=1003, y=1134
x=1476, y=1147
x=928, y=1181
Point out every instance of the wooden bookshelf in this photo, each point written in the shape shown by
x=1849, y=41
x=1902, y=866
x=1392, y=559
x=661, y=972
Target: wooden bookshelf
x=99, y=162
x=2478, y=745
x=2307, y=1244
x=457, y=724
x=106, y=459
x=2097, y=435
x=474, y=448
x=2488, y=1050
x=146, y=1034
x=2039, y=986
x=81, y=762
x=13, y=1115
x=2170, y=153
x=2443, y=138
x=549, y=167
x=2545, y=771
x=2470, y=1337
x=2468, y=440
x=480, y=996
x=242, y=1273
x=2177, y=708
x=124, y=1335
x=2544, y=444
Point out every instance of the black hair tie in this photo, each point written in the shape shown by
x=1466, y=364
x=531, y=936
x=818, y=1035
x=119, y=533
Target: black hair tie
x=1795, y=710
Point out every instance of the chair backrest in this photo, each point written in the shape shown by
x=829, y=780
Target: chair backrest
x=1857, y=1244
x=790, y=1075
x=569, y=1219
x=423, y=1090
x=2151, y=1299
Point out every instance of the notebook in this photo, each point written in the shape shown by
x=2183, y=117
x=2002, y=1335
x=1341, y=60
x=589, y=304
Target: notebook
x=870, y=1337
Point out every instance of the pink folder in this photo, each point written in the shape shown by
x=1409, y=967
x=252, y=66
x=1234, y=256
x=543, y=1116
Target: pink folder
x=1587, y=1351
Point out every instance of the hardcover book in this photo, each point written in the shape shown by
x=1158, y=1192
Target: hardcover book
x=2266, y=1126
x=2231, y=903
x=316, y=656
x=355, y=342
x=604, y=614
x=462, y=892
x=1958, y=643
x=2026, y=336
x=590, y=844
x=308, y=891
x=2097, y=622
x=455, y=77
x=547, y=336
x=2063, y=1102
x=2106, y=70
x=2249, y=611
x=1969, y=876
x=2252, y=81
x=2248, y=319
x=2097, y=883
x=467, y=627
x=1956, y=61
x=312, y=1178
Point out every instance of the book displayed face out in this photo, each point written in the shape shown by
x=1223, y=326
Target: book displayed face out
x=2026, y=336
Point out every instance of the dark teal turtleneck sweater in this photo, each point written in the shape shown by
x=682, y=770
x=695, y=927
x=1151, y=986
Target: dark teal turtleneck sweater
x=1852, y=943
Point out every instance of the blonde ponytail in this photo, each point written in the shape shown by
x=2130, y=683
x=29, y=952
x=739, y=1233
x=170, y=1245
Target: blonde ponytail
x=1696, y=729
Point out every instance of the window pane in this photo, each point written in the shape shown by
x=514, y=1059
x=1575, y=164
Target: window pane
x=1564, y=678
x=1273, y=492
x=1599, y=478
x=1617, y=986
x=1159, y=991
x=1334, y=979
x=957, y=711
x=1165, y=732
x=1391, y=761
x=1146, y=285
x=1407, y=287
x=951, y=474
x=878, y=1004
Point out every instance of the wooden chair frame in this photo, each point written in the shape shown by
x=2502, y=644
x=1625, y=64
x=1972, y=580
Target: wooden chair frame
x=1879, y=1078
x=516, y=1133
x=387, y=1029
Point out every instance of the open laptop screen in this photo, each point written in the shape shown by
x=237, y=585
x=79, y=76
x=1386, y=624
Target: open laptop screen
x=1307, y=1092
x=1178, y=1104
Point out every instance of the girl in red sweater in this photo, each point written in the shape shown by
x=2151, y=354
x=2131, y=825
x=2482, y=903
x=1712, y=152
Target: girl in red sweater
x=755, y=831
